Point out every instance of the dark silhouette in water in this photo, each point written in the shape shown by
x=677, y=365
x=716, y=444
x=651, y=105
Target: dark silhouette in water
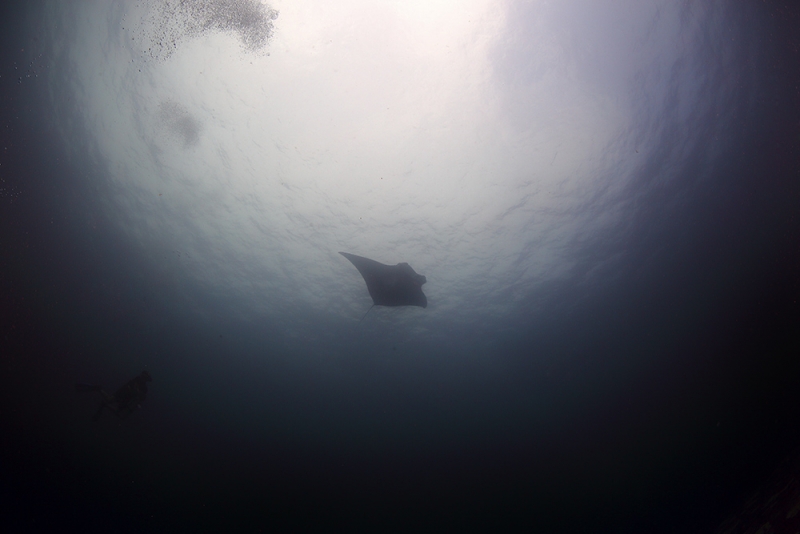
x=125, y=400
x=390, y=285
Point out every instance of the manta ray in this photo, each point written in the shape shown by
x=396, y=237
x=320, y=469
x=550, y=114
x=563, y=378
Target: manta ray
x=390, y=285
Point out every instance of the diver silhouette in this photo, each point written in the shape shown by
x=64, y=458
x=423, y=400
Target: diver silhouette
x=125, y=400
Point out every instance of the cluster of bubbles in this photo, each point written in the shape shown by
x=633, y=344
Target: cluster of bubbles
x=170, y=22
x=8, y=191
x=31, y=71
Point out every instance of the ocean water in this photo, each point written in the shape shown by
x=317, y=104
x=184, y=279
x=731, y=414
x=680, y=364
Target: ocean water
x=602, y=196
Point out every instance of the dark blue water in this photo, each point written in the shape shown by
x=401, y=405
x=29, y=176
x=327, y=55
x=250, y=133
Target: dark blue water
x=644, y=380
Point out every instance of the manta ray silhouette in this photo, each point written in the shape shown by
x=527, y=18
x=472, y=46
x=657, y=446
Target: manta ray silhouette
x=390, y=285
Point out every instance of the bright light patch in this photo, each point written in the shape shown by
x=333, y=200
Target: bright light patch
x=467, y=138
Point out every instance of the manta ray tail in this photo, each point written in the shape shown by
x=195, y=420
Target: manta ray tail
x=359, y=322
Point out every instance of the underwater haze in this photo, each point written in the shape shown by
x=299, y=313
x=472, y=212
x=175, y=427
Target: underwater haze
x=602, y=198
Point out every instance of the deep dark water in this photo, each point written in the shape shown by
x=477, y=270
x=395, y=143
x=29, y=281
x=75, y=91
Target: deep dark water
x=658, y=402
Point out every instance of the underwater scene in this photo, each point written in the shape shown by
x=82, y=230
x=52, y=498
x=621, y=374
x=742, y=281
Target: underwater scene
x=381, y=266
